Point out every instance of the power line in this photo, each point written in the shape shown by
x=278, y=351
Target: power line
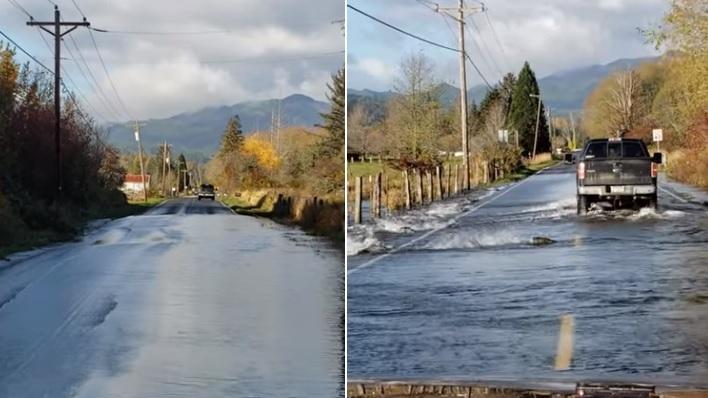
x=19, y=7
x=105, y=69
x=481, y=51
x=96, y=87
x=32, y=57
x=401, y=30
x=467, y=56
x=78, y=8
x=496, y=38
x=478, y=71
x=99, y=93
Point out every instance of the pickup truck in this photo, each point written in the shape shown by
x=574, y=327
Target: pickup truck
x=206, y=191
x=616, y=170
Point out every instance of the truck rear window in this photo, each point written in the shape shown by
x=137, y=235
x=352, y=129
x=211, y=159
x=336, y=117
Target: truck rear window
x=633, y=150
x=624, y=149
x=596, y=150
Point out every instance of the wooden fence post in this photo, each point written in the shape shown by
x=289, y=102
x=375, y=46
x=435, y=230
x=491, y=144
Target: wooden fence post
x=420, y=187
x=429, y=183
x=357, y=200
x=485, y=170
x=377, y=196
x=439, y=184
x=455, y=187
x=447, y=186
x=407, y=189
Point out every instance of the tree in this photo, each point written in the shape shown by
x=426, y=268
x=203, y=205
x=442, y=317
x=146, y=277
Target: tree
x=524, y=110
x=333, y=145
x=232, y=139
x=415, y=114
x=683, y=97
x=616, y=106
x=329, y=168
x=359, y=130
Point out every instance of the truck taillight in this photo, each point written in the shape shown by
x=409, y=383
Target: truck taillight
x=654, y=169
x=581, y=170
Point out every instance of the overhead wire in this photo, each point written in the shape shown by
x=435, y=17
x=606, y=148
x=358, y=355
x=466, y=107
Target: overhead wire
x=496, y=38
x=467, y=56
x=108, y=75
x=91, y=78
x=19, y=7
x=491, y=62
x=401, y=30
x=71, y=80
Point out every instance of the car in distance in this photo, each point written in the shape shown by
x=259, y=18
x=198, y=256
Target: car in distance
x=206, y=191
x=616, y=170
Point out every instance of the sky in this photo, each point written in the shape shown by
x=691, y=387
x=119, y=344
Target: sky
x=226, y=51
x=552, y=35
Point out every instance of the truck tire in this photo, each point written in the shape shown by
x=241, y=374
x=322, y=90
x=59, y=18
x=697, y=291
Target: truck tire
x=583, y=204
x=653, y=201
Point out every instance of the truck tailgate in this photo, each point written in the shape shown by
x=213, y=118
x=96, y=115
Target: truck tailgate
x=617, y=172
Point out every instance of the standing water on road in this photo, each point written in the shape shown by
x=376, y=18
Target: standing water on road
x=188, y=300
x=477, y=292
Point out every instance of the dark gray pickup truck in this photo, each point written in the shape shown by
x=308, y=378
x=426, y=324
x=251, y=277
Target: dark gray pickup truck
x=616, y=170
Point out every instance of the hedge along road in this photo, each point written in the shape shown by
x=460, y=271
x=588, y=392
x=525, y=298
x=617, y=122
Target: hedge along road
x=473, y=287
x=187, y=300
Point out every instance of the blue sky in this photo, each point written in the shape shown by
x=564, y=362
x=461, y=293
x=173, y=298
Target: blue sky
x=553, y=35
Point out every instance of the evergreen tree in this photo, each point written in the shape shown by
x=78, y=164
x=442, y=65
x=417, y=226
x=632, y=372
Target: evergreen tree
x=334, y=119
x=232, y=140
x=524, y=110
x=181, y=169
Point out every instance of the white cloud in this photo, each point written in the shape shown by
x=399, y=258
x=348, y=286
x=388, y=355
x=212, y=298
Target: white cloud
x=264, y=48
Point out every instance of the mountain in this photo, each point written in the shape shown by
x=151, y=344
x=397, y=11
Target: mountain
x=200, y=131
x=563, y=91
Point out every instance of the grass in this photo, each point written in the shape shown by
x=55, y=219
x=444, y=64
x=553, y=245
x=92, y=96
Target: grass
x=26, y=239
x=325, y=220
x=133, y=207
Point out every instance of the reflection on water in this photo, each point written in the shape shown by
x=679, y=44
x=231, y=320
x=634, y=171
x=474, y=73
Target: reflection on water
x=480, y=300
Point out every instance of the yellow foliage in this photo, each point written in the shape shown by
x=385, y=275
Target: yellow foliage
x=263, y=151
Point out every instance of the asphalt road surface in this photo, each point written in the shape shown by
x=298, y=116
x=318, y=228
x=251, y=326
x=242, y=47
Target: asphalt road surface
x=189, y=300
x=470, y=289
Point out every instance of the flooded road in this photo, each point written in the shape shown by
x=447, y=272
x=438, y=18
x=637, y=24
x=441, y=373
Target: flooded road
x=466, y=289
x=188, y=300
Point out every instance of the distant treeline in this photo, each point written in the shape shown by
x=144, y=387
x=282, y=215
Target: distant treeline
x=417, y=128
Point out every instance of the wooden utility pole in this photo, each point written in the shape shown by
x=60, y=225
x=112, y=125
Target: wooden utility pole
x=58, y=34
x=538, y=120
x=463, y=96
x=140, y=155
x=572, y=126
x=164, y=166
x=458, y=14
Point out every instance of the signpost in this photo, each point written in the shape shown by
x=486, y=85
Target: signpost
x=658, y=136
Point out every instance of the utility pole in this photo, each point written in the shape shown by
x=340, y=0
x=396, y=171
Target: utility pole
x=463, y=98
x=164, y=166
x=57, y=33
x=458, y=14
x=538, y=120
x=140, y=155
x=277, y=144
x=572, y=126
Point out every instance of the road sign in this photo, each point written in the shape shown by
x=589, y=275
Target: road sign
x=137, y=136
x=658, y=135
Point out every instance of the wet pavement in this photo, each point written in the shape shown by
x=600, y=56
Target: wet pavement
x=188, y=300
x=465, y=289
